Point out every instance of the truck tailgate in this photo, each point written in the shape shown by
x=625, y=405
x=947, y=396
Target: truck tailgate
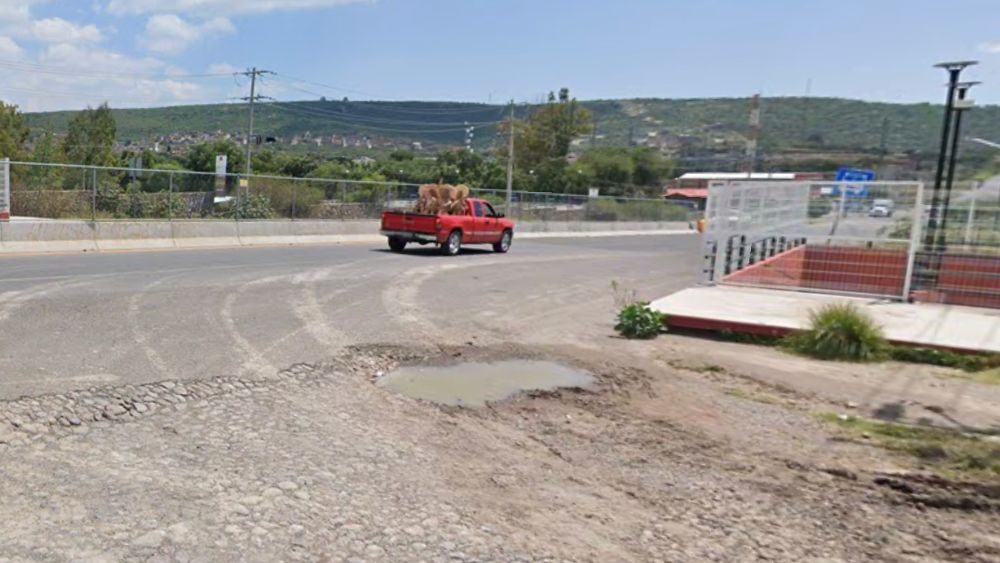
x=409, y=222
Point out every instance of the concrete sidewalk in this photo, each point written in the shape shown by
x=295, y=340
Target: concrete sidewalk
x=776, y=312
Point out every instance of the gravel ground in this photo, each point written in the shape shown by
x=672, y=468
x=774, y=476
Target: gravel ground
x=318, y=464
x=148, y=413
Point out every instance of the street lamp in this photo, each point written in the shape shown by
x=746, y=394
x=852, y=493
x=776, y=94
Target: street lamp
x=954, y=71
x=960, y=106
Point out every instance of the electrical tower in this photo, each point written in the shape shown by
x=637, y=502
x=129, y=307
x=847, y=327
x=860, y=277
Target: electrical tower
x=253, y=73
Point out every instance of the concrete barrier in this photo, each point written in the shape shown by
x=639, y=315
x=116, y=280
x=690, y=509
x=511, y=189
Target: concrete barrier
x=253, y=233
x=198, y=234
x=84, y=236
x=598, y=226
x=47, y=236
x=129, y=235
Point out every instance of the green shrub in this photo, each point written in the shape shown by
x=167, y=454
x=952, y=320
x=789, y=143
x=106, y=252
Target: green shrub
x=253, y=206
x=944, y=358
x=287, y=196
x=820, y=207
x=639, y=321
x=611, y=210
x=840, y=332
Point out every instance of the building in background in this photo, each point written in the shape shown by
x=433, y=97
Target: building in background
x=691, y=189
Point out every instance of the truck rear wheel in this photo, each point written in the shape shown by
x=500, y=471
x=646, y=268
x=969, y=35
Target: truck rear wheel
x=453, y=245
x=397, y=244
x=504, y=245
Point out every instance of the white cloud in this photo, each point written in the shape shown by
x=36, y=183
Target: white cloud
x=9, y=49
x=58, y=30
x=992, y=47
x=15, y=10
x=223, y=68
x=219, y=7
x=80, y=75
x=167, y=33
x=67, y=68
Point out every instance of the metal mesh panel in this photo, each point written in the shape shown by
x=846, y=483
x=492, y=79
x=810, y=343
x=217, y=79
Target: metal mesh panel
x=958, y=261
x=815, y=236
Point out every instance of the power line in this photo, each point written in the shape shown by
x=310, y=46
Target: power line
x=40, y=69
x=79, y=95
x=286, y=106
x=352, y=117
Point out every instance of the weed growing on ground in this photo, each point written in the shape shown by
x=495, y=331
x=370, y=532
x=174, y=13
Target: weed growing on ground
x=949, y=452
x=840, y=332
x=944, y=358
x=639, y=321
x=622, y=295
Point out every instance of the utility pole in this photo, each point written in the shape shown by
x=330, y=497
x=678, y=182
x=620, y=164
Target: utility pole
x=510, y=161
x=753, y=135
x=253, y=73
x=883, y=147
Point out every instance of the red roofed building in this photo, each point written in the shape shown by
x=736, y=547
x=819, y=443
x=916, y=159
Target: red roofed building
x=691, y=189
x=695, y=198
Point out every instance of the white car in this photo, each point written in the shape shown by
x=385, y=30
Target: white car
x=880, y=211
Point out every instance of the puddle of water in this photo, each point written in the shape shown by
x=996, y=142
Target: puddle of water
x=475, y=384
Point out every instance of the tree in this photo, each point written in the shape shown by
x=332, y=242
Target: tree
x=626, y=172
x=46, y=150
x=202, y=156
x=547, y=135
x=13, y=132
x=91, y=137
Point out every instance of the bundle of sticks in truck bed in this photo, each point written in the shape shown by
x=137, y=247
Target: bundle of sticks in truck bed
x=444, y=199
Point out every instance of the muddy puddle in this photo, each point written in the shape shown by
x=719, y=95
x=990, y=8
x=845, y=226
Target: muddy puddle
x=475, y=384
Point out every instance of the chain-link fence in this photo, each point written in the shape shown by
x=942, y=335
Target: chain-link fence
x=57, y=191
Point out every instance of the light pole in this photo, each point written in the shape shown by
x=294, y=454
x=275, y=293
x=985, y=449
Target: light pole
x=954, y=71
x=959, y=107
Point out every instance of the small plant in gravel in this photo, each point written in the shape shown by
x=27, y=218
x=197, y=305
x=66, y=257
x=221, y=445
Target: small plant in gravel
x=840, y=332
x=639, y=321
x=623, y=296
x=635, y=318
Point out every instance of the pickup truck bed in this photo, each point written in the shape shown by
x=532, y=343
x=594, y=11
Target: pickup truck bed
x=480, y=224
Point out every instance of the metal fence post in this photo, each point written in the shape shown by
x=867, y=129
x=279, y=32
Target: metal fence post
x=93, y=196
x=239, y=188
x=295, y=189
x=972, y=216
x=5, y=203
x=170, y=197
x=916, y=231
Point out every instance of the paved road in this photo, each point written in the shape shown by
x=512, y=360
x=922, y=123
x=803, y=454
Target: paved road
x=73, y=321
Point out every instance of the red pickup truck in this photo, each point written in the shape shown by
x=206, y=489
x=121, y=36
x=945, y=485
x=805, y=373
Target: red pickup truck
x=480, y=224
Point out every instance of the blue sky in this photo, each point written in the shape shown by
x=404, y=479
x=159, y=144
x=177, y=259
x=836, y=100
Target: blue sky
x=62, y=54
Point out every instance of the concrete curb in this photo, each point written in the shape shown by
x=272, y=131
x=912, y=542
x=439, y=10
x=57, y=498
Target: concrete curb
x=83, y=236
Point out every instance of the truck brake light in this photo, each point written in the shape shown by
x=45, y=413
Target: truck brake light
x=438, y=225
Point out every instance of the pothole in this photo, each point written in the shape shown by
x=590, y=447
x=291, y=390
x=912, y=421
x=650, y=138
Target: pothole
x=475, y=384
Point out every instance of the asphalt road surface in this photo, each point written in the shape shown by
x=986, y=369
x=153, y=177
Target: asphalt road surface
x=75, y=321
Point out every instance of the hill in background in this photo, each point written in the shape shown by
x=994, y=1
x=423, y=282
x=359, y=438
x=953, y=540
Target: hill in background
x=696, y=125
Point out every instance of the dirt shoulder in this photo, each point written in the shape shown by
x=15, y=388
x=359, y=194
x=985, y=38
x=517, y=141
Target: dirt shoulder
x=657, y=462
